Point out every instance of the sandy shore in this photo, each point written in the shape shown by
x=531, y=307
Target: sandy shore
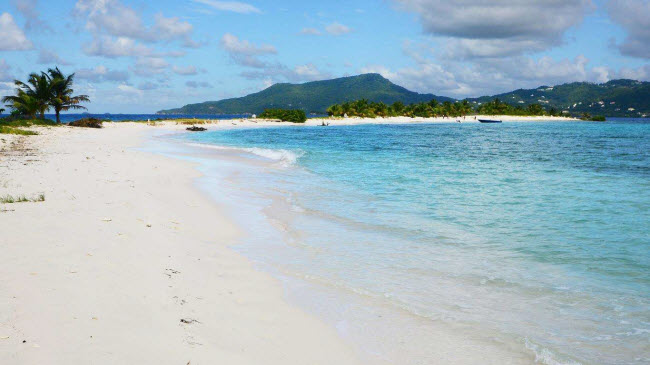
x=125, y=262
x=359, y=121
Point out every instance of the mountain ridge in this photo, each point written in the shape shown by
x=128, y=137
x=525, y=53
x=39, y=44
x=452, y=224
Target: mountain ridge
x=622, y=97
x=314, y=96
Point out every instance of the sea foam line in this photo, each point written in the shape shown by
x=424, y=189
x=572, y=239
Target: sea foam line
x=284, y=157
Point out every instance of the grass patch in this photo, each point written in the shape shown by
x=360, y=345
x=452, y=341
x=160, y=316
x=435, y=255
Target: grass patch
x=11, y=122
x=18, y=131
x=8, y=199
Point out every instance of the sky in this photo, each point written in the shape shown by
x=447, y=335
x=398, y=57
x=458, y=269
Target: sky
x=137, y=56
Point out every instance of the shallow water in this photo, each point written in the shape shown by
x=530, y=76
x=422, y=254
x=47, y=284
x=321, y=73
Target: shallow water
x=532, y=237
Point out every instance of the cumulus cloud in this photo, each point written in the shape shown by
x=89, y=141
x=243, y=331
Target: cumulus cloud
x=148, y=66
x=277, y=72
x=48, y=57
x=118, y=20
x=634, y=17
x=197, y=84
x=247, y=54
x=338, y=29
x=12, y=38
x=129, y=90
x=189, y=70
x=519, y=26
x=232, y=6
x=491, y=76
x=115, y=47
x=101, y=74
x=244, y=52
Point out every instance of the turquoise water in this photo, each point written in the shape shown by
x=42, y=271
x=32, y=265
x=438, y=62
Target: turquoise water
x=535, y=234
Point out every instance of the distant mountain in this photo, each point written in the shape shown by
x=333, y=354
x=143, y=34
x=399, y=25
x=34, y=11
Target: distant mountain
x=314, y=96
x=616, y=98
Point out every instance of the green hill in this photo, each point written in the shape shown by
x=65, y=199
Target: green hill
x=312, y=97
x=616, y=98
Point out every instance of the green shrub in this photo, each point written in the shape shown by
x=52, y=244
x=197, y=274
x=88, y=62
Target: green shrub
x=87, y=123
x=285, y=115
x=598, y=118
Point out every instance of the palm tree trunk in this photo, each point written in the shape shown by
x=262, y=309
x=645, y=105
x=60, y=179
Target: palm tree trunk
x=58, y=120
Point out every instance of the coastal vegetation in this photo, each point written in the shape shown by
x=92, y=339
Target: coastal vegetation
x=431, y=109
x=595, y=118
x=9, y=199
x=40, y=93
x=13, y=125
x=285, y=115
x=87, y=123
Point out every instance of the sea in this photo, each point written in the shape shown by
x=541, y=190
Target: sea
x=454, y=243
x=71, y=117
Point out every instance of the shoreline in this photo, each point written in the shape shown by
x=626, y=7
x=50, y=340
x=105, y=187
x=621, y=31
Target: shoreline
x=333, y=121
x=127, y=262
x=406, y=337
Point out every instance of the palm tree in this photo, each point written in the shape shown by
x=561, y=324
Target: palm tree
x=62, y=98
x=39, y=88
x=24, y=103
x=2, y=110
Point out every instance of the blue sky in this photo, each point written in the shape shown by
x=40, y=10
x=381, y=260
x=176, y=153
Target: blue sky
x=135, y=56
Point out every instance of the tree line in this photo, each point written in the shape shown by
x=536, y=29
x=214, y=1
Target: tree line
x=431, y=109
x=42, y=92
x=285, y=115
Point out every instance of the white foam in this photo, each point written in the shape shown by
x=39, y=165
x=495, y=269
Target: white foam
x=545, y=356
x=284, y=157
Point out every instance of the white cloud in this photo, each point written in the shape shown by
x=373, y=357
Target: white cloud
x=189, y=70
x=148, y=66
x=491, y=76
x=338, y=29
x=114, y=18
x=12, y=38
x=172, y=28
x=310, y=31
x=130, y=90
x=48, y=57
x=101, y=74
x=116, y=47
x=232, y=6
x=634, y=17
x=247, y=54
x=520, y=26
x=244, y=52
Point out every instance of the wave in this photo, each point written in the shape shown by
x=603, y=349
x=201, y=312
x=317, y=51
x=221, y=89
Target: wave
x=284, y=157
x=546, y=356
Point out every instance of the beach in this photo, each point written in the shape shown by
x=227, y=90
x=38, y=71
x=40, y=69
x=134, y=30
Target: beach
x=248, y=244
x=126, y=262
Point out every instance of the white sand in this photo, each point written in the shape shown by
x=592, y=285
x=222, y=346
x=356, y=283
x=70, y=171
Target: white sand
x=124, y=247
x=121, y=250
x=358, y=121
